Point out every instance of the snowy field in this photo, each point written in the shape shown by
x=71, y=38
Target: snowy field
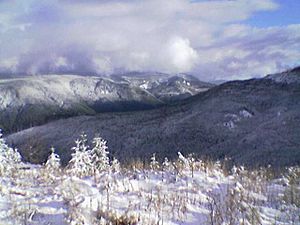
x=186, y=191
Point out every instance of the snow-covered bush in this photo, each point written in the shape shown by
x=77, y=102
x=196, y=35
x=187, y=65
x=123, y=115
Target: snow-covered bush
x=292, y=192
x=183, y=160
x=115, y=166
x=81, y=163
x=167, y=165
x=105, y=217
x=53, y=162
x=188, y=164
x=154, y=165
x=52, y=166
x=99, y=154
x=9, y=157
x=233, y=206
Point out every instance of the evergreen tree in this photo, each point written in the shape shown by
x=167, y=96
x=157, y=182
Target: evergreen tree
x=99, y=154
x=9, y=157
x=53, y=162
x=115, y=166
x=81, y=162
x=154, y=165
x=167, y=165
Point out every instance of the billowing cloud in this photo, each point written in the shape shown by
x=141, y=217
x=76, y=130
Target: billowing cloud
x=182, y=56
x=206, y=38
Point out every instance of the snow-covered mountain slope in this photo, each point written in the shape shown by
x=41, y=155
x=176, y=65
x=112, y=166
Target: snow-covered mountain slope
x=64, y=90
x=29, y=101
x=289, y=77
x=166, y=87
x=254, y=122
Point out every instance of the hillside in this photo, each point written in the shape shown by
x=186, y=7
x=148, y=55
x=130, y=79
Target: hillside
x=254, y=122
x=35, y=100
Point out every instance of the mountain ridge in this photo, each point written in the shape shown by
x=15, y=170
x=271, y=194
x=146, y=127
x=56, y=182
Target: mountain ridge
x=30, y=101
x=254, y=122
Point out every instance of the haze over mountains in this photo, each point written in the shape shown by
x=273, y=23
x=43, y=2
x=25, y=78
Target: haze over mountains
x=255, y=122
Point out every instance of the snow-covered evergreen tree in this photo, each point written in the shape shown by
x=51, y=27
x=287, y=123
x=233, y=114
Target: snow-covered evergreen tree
x=53, y=162
x=100, y=154
x=9, y=157
x=154, y=165
x=115, y=165
x=167, y=165
x=81, y=162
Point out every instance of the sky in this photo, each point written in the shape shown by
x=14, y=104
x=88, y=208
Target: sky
x=212, y=39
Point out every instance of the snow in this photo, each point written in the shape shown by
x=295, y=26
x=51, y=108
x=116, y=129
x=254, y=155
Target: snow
x=246, y=114
x=230, y=125
x=147, y=196
x=62, y=90
x=186, y=191
x=233, y=119
x=67, y=91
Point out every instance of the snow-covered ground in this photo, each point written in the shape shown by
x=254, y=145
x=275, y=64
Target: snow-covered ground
x=94, y=190
x=35, y=195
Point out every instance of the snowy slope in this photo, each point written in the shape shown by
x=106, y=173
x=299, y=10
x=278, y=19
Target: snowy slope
x=64, y=90
x=166, y=87
x=144, y=197
x=34, y=100
x=254, y=122
x=288, y=77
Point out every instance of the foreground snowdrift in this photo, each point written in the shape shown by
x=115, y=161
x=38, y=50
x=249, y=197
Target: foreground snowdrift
x=204, y=195
x=94, y=190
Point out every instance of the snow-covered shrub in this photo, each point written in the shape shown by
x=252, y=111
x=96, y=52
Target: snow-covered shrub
x=154, y=165
x=233, y=207
x=184, y=161
x=109, y=217
x=167, y=165
x=52, y=165
x=188, y=164
x=9, y=157
x=22, y=213
x=99, y=154
x=81, y=163
x=53, y=162
x=292, y=191
x=115, y=166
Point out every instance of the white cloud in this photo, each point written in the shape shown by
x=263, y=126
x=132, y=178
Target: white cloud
x=207, y=38
x=9, y=64
x=61, y=62
x=103, y=65
x=181, y=55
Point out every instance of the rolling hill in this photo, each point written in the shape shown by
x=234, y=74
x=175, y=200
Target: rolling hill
x=254, y=122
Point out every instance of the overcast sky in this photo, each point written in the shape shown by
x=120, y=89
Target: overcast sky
x=224, y=39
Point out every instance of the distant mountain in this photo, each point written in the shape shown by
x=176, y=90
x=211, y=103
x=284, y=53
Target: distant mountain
x=166, y=87
x=290, y=76
x=34, y=100
x=255, y=122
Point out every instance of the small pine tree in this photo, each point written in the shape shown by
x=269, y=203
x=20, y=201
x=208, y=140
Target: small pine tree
x=81, y=162
x=154, y=165
x=9, y=157
x=115, y=166
x=100, y=154
x=167, y=166
x=53, y=163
